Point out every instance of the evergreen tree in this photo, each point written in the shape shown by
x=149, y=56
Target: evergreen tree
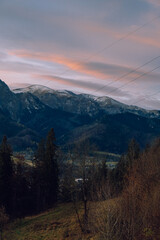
x=51, y=169
x=46, y=173
x=21, y=205
x=124, y=166
x=40, y=155
x=103, y=171
x=6, y=175
x=132, y=153
x=39, y=180
x=3, y=220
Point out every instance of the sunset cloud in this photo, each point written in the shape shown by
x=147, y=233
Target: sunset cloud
x=87, y=85
x=81, y=44
x=154, y=2
x=100, y=70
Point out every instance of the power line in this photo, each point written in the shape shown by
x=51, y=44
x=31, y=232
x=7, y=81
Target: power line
x=111, y=45
x=125, y=75
x=124, y=37
x=142, y=99
x=142, y=75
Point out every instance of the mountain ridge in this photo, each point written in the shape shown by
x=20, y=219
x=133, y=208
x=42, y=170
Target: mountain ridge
x=103, y=121
x=51, y=97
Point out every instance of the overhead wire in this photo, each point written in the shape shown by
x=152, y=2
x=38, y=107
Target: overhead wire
x=108, y=47
x=150, y=95
x=142, y=75
x=125, y=75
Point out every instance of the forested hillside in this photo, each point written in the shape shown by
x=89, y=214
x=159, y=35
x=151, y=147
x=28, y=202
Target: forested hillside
x=75, y=118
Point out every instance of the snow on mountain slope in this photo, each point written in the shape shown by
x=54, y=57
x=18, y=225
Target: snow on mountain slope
x=83, y=103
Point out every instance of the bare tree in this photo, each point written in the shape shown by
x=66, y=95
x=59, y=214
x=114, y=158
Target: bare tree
x=84, y=170
x=135, y=213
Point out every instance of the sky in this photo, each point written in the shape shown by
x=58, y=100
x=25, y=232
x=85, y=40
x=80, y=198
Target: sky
x=99, y=47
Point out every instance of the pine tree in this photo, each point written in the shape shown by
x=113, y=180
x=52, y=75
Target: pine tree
x=103, y=171
x=125, y=165
x=46, y=173
x=51, y=169
x=40, y=155
x=40, y=186
x=21, y=204
x=132, y=153
x=3, y=220
x=6, y=175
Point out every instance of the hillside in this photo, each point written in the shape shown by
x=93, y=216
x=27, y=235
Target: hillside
x=109, y=124
x=83, y=104
x=113, y=132
x=59, y=223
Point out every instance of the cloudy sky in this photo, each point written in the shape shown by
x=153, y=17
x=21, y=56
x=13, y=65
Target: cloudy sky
x=101, y=47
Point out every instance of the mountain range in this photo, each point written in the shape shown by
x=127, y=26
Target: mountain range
x=27, y=114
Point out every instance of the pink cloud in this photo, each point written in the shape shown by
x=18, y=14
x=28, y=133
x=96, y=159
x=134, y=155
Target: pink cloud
x=97, y=70
x=154, y=2
x=135, y=37
x=67, y=62
x=154, y=42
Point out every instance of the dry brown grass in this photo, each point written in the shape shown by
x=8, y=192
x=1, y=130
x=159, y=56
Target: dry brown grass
x=57, y=224
x=136, y=213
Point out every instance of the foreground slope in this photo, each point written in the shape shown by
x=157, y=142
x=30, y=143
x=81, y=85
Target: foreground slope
x=59, y=223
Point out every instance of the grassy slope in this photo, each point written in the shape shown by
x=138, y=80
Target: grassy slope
x=57, y=224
